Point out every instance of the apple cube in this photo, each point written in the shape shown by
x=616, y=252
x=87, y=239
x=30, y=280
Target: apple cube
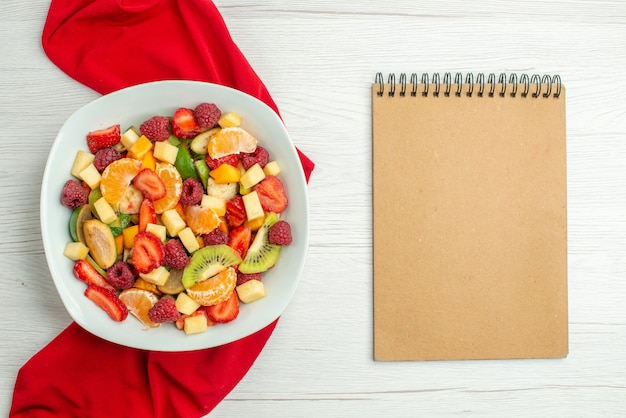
x=189, y=240
x=252, y=176
x=76, y=251
x=81, y=162
x=158, y=276
x=217, y=204
x=165, y=151
x=272, y=168
x=158, y=230
x=91, y=176
x=186, y=305
x=129, y=138
x=195, y=324
x=253, y=207
x=104, y=210
x=250, y=291
x=173, y=222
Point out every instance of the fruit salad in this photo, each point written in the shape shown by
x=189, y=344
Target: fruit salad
x=176, y=220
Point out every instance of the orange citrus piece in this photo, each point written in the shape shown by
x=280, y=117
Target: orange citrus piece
x=232, y=140
x=115, y=183
x=173, y=187
x=139, y=302
x=201, y=220
x=215, y=289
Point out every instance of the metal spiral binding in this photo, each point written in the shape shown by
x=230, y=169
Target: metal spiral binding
x=534, y=86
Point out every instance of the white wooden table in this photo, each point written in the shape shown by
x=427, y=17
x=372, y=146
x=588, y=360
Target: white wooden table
x=318, y=60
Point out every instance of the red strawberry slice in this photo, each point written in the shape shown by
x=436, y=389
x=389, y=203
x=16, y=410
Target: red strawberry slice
x=272, y=194
x=239, y=239
x=108, y=301
x=213, y=163
x=103, y=138
x=235, y=212
x=148, y=252
x=87, y=273
x=184, y=124
x=150, y=184
x=147, y=214
x=225, y=311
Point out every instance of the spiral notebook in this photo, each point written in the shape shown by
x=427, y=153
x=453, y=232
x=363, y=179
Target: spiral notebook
x=469, y=217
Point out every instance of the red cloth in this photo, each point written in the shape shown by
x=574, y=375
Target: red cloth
x=108, y=45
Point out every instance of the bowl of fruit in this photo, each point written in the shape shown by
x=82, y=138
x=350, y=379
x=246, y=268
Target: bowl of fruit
x=174, y=216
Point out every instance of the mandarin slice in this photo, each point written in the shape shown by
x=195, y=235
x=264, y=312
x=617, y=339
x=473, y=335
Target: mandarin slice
x=201, y=220
x=115, y=183
x=232, y=140
x=139, y=302
x=215, y=289
x=173, y=187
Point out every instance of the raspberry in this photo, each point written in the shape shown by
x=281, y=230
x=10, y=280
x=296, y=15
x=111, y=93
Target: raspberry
x=243, y=277
x=164, y=310
x=73, y=194
x=120, y=276
x=207, y=115
x=213, y=163
x=104, y=157
x=280, y=233
x=157, y=128
x=260, y=155
x=192, y=192
x=175, y=255
x=215, y=237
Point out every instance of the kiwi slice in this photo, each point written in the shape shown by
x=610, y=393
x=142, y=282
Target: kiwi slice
x=261, y=255
x=174, y=284
x=207, y=262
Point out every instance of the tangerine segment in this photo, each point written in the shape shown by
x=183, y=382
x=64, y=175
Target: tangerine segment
x=173, y=187
x=115, y=182
x=215, y=289
x=139, y=302
x=232, y=140
x=201, y=220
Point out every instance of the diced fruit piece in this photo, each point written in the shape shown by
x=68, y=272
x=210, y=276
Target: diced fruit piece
x=215, y=289
x=119, y=244
x=174, y=284
x=272, y=168
x=185, y=304
x=253, y=207
x=201, y=220
x=158, y=276
x=148, y=252
x=120, y=276
x=81, y=161
x=225, y=191
x=184, y=162
x=104, y=211
x=239, y=239
x=164, y=310
x=231, y=140
x=129, y=137
x=173, y=222
x=261, y=255
x=108, y=301
x=173, y=186
x=188, y=239
x=115, y=184
x=140, y=148
x=235, y=212
x=75, y=251
x=225, y=311
x=149, y=184
x=260, y=156
x=250, y=291
x=166, y=152
x=140, y=283
x=85, y=272
x=184, y=124
x=200, y=143
x=73, y=194
x=91, y=176
x=195, y=324
x=157, y=128
x=207, y=262
x=255, y=224
x=100, y=241
x=225, y=173
x=217, y=204
x=148, y=161
x=252, y=176
x=158, y=230
x=147, y=214
x=280, y=233
x=103, y=138
x=229, y=119
x=139, y=302
x=272, y=194
x=129, y=234
x=207, y=114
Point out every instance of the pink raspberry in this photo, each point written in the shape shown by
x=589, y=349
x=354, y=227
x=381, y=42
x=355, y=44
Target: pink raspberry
x=192, y=192
x=120, y=276
x=175, y=255
x=164, y=310
x=260, y=155
x=215, y=237
x=280, y=233
x=207, y=115
x=244, y=277
x=106, y=156
x=73, y=194
x=157, y=128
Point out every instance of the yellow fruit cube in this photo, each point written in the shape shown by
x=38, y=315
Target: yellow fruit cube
x=76, y=251
x=217, y=204
x=129, y=138
x=229, y=119
x=173, y=222
x=253, y=207
x=105, y=212
x=189, y=240
x=148, y=161
x=81, y=162
x=166, y=152
x=272, y=168
x=186, y=305
x=91, y=176
x=250, y=291
x=255, y=224
x=158, y=230
x=140, y=148
x=158, y=276
x=195, y=324
x=129, y=235
x=252, y=176
x=225, y=173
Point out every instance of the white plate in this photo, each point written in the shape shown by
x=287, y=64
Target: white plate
x=129, y=107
